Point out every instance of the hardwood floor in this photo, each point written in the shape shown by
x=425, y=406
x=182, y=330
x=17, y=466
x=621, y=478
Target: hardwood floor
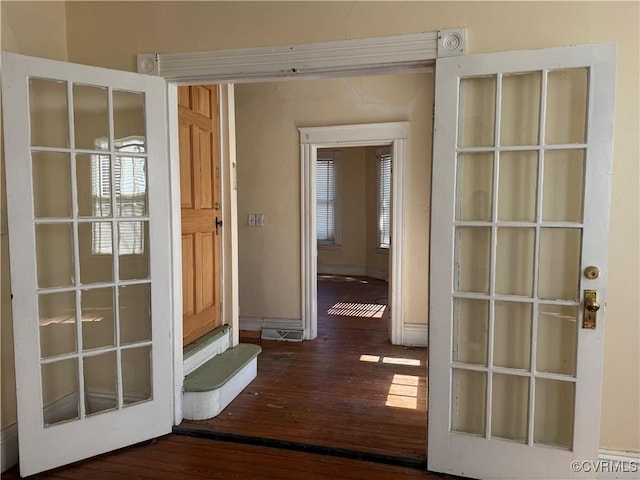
x=348, y=391
x=327, y=405
x=174, y=457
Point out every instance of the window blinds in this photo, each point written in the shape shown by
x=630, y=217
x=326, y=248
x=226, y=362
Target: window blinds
x=384, y=199
x=130, y=185
x=325, y=200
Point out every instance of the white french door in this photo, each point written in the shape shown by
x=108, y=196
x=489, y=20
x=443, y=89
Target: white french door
x=88, y=207
x=522, y=165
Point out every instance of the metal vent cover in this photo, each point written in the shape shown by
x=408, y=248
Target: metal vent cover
x=281, y=334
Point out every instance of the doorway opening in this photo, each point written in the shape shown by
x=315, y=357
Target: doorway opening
x=353, y=228
x=322, y=393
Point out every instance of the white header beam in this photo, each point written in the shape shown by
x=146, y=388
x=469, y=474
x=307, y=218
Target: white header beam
x=396, y=52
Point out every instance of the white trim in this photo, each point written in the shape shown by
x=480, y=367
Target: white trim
x=175, y=222
x=396, y=249
x=309, y=244
x=452, y=42
x=256, y=324
x=253, y=324
x=312, y=138
x=8, y=447
x=377, y=273
x=397, y=52
x=628, y=464
x=416, y=335
x=229, y=180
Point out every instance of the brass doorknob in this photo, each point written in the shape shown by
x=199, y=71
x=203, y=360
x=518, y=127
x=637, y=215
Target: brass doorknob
x=591, y=303
x=591, y=307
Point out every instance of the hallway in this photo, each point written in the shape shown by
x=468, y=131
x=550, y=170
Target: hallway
x=347, y=393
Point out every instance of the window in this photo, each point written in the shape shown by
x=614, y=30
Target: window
x=327, y=198
x=130, y=181
x=384, y=197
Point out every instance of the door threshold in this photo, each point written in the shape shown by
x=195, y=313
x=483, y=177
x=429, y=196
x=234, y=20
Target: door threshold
x=419, y=463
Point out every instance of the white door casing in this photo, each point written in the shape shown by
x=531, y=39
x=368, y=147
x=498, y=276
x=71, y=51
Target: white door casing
x=394, y=134
x=470, y=372
x=137, y=404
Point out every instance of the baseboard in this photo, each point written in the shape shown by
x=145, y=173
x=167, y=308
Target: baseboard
x=9, y=447
x=617, y=465
x=251, y=323
x=415, y=335
x=351, y=270
x=354, y=271
x=258, y=323
x=378, y=273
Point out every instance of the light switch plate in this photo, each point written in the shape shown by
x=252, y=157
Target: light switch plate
x=259, y=219
x=251, y=220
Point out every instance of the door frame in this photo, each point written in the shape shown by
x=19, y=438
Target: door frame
x=221, y=66
x=394, y=134
x=412, y=53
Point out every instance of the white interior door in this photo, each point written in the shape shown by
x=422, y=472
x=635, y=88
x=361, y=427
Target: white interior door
x=522, y=165
x=87, y=197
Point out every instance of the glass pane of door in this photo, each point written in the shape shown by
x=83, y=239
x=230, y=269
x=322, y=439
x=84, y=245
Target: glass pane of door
x=517, y=251
x=87, y=244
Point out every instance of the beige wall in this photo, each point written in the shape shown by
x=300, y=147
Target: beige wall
x=491, y=27
x=268, y=116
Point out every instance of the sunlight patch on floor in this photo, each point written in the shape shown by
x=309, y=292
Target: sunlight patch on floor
x=370, y=358
x=403, y=392
x=412, y=362
x=401, y=361
x=369, y=310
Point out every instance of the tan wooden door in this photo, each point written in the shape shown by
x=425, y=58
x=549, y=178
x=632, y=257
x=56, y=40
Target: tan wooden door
x=201, y=213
